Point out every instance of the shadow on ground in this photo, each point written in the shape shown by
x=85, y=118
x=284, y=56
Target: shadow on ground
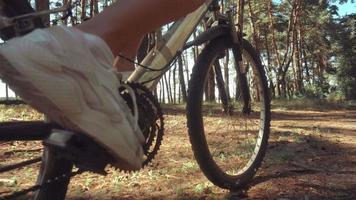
x=302, y=163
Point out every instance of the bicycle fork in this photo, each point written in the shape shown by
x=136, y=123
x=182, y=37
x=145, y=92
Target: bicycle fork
x=237, y=37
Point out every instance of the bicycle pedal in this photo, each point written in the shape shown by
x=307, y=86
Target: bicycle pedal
x=80, y=149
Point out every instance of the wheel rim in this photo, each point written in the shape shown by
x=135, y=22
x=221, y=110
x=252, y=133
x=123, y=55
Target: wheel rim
x=234, y=139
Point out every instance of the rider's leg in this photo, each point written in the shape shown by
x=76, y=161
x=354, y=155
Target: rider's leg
x=130, y=51
x=123, y=24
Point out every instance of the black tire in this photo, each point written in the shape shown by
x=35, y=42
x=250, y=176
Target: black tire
x=200, y=132
x=52, y=166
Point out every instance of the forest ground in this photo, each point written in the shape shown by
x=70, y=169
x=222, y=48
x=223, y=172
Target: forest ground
x=311, y=155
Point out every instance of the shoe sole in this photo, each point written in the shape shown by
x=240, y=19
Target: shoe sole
x=40, y=102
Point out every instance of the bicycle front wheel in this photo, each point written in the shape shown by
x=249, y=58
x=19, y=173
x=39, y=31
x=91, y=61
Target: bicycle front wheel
x=228, y=141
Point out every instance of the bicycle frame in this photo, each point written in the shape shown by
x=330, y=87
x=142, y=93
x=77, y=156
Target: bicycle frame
x=166, y=50
x=158, y=59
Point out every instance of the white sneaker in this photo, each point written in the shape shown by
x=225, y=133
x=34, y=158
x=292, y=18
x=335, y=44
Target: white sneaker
x=68, y=75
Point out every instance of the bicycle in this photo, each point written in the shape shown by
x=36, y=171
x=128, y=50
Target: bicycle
x=250, y=112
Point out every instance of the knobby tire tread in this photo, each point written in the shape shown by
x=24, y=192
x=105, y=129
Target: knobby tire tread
x=196, y=125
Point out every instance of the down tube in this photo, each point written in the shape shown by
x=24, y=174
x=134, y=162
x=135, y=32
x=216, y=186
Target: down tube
x=164, y=53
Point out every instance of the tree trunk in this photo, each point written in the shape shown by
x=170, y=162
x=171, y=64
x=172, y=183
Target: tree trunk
x=271, y=27
x=83, y=5
x=174, y=84
x=306, y=65
x=256, y=37
x=167, y=88
x=221, y=86
x=91, y=8
x=179, y=94
x=43, y=5
x=163, y=91
x=275, y=50
x=170, y=95
x=269, y=67
x=296, y=52
x=237, y=89
x=226, y=74
x=181, y=79
x=211, y=86
x=185, y=63
x=282, y=66
x=96, y=7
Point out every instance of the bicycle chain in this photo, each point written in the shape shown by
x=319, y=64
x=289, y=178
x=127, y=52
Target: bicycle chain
x=34, y=188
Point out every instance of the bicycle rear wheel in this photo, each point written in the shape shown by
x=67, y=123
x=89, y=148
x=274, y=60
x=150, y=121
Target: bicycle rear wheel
x=53, y=166
x=229, y=145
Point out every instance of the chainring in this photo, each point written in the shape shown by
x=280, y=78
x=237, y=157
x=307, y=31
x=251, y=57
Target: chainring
x=151, y=121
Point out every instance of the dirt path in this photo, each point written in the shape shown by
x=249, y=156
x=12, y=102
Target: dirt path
x=312, y=155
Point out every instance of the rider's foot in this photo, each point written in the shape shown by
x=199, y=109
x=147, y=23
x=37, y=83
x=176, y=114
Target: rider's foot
x=68, y=75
